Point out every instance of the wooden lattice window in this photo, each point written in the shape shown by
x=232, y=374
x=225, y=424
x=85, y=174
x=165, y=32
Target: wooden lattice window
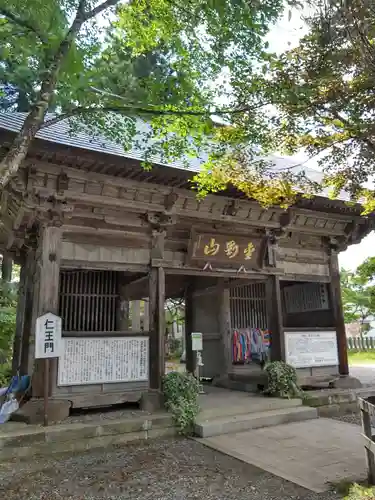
x=305, y=297
x=88, y=300
x=248, y=306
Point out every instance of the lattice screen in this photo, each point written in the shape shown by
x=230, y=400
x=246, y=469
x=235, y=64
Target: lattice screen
x=88, y=301
x=248, y=306
x=306, y=297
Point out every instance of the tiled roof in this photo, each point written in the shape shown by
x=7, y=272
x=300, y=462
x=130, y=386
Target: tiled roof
x=61, y=133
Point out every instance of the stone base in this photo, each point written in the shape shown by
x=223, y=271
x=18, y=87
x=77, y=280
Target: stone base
x=32, y=412
x=221, y=381
x=152, y=401
x=345, y=382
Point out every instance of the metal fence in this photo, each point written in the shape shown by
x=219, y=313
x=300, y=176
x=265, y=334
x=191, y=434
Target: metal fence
x=361, y=344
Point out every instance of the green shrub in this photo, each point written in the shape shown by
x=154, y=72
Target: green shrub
x=181, y=399
x=5, y=374
x=358, y=492
x=282, y=380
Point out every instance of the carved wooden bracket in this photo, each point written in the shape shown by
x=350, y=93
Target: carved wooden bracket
x=160, y=220
x=157, y=243
x=232, y=208
x=170, y=200
x=62, y=183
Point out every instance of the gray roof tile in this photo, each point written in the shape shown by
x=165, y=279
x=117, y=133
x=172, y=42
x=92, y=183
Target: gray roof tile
x=61, y=133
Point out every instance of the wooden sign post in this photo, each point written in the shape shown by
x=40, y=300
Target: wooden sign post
x=197, y=346
x=47, y=345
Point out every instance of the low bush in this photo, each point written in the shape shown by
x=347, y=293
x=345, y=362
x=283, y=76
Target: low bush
x=358, y=492
x=181, y=399
x=282, y=380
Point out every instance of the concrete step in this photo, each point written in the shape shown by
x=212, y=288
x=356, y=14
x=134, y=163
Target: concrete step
x=240, y=423
x=28, y=440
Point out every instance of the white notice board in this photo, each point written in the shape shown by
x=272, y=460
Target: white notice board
x=196, y=341
x=310, y=349
x=48, y=336
x=103, y=360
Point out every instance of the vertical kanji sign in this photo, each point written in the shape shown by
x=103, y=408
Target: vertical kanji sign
x=48, y=336
x=47, y=345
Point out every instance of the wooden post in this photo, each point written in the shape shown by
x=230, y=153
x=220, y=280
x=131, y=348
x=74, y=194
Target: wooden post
x=46, y=391
x=122, y=322
x=367, y=431
x=190, y=362
x=275, y=318
x=136, y=315
x=27, y=312
x=49, y=277
x=225, y=331
x=146, y=319
x=157, y=326
x=20, y=319
x=338, y=313
x=6, y=268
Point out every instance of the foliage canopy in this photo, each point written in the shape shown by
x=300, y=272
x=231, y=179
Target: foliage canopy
x=168, y=61
x=319, y=97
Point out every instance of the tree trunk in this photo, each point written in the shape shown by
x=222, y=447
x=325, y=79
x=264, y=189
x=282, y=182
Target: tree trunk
x=21, y=144
x=362, y=343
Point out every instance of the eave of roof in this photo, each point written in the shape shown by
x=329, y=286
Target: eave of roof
x=60, y=133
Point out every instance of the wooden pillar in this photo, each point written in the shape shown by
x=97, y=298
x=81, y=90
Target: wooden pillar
x=275, y=318
x=20, y=318
x=48, y=294
x=225, y=330
x=157, y=326
x=122, y=321
x=338, y=313
x=190, y=361
x=146, y=317
x=6, y=267
x=30, y=300
x=136, y=315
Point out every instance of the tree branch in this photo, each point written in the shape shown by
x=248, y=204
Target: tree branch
x=23, y=23
x=100, y=8
x=133, y=110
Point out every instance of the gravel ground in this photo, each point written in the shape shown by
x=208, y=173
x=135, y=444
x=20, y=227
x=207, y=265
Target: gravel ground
x=350, y=418
x=169, y=469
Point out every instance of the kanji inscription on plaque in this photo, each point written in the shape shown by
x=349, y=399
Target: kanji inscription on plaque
x=103, y=360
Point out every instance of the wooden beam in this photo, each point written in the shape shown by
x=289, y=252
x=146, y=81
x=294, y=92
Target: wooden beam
x=48, y=293
x=157, y=327
x=224, y=325
x=136, y=315
x=338, y=313
x=20, y=318
x=190, y=361
x=30, y=300
x=137, y=289
x=275, y=318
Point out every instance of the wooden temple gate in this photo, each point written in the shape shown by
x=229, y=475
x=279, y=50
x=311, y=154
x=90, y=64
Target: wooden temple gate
x=95, y=234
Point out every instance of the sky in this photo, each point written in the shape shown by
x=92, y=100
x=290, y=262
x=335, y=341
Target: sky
x=284, y=35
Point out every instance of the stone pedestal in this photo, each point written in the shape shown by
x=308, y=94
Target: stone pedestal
x=32, y=412
x=152, y=401
x=345, y=382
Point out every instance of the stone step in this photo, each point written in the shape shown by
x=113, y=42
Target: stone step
x=240, y=423
x=29, y=440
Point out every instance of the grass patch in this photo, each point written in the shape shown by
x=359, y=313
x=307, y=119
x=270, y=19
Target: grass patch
x=354, y=491
x=361, y=357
